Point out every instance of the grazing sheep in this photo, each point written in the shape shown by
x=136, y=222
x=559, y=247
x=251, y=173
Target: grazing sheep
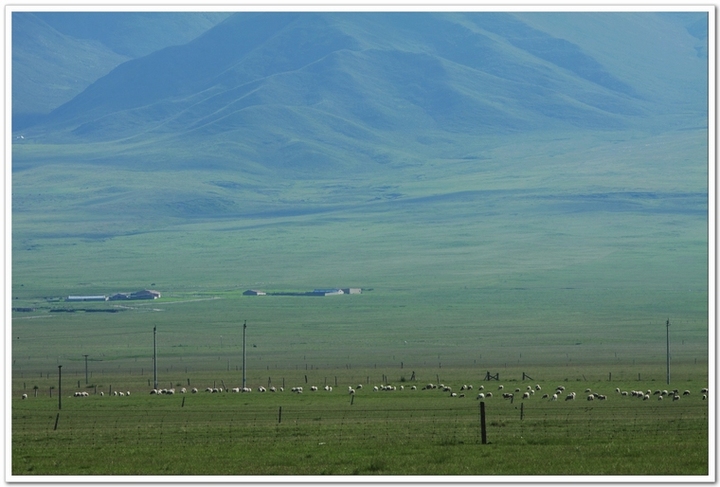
x=102, y=393
x=463, y=387
x=127, y=393
x=591, y=397
x=122, y=394
x=660, y=398
x=686, y=393
x=115, y=393
x=517, y=389
x=470, y=387
x=507, y=395
x=704, y=397
x=561, y=388
x=209, y=389
x=489, y=394
x=154, y=391
x=704, y=390
x=481, y=388
x=413, y=388
x=375, y=388
x=545, y=396
x=313, y=388
x=453, y=394
x=501, y=387
x=24, y=396
x=646, y=397
x=170, y=391
x=249, y=389
x=676, y=397
x=194, y=390
x=272, y=389
x=236, y=389
x=480, y=396
x=570, y=396
x=624, y=393
x=182, y=391
x=526, y=395
x=262, y=389
x=554, y=397
x=359, y=386
x=601, y=397
x=351, y=391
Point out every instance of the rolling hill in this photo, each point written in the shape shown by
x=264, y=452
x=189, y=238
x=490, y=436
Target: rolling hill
x=420, y=152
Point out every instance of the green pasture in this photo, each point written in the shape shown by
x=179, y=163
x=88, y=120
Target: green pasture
x=559, y=259
x=401, y=432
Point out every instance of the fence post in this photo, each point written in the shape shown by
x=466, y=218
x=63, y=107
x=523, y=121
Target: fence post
x=521, y=410
x=483, y=432
x=280, y=415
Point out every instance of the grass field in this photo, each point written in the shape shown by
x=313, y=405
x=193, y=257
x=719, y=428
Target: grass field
x=401, y=432
x=527, y=263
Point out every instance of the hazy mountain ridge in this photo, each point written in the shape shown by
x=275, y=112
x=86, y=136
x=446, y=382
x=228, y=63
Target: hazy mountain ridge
x=291, y=89
x=56, y=55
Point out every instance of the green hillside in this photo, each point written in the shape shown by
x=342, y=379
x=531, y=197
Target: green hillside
x=495, y=178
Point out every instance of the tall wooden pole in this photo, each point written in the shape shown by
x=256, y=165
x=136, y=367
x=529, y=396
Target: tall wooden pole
x=667, y=326
x=86, y=369
x=243, y=365
x=59, y=387
x=154, y=359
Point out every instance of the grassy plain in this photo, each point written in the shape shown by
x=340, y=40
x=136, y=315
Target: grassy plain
x=559, y=259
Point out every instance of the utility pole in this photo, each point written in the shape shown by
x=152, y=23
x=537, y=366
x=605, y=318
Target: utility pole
x=59, y=387
x=243, y=365
x=86, y=370
x=154, y=358
x=667, y=326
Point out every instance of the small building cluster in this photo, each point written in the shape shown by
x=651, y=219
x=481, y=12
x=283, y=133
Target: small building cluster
x=316, y=292
x=144, y=294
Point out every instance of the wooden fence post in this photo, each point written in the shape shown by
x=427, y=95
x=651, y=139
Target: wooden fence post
x=483, y=432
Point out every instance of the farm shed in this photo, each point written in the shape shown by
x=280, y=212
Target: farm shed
x=327, y=292
x=254, y=292
x=119, y=297
x=352, y=290
x=145, y=294
x=86, y=298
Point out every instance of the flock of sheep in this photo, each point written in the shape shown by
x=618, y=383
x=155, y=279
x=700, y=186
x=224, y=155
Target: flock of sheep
x=529, y=392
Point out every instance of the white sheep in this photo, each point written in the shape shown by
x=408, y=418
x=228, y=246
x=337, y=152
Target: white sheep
x=194, y=390
x=127, y=393
x=24, y=396
x=526, y=395
x=272, y=389
x=236, y=389
x=489, y=394
x=554, y=397
x=351, y=391
x=480, y=396
x=313, y=388
x=570, y=396
x=182, y=391
x=102, y=393
x=413, y=388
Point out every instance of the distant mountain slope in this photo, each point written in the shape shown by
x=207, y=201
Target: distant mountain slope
x=50, y=68
x=56, y=55
x=299, y=90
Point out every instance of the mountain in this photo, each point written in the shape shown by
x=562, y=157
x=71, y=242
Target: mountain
x=348, y=90
x=56, y=55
